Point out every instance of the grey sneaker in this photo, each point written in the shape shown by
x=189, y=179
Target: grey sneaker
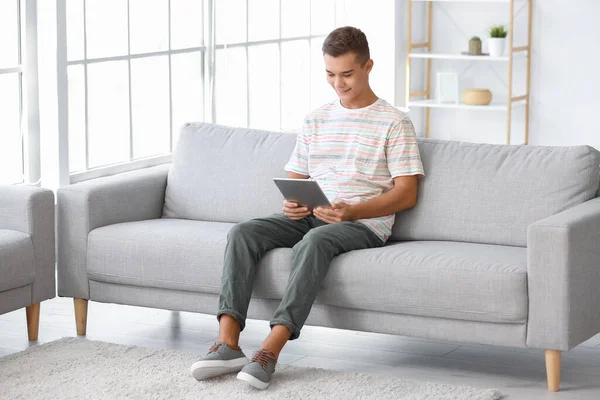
x=221, y=359
x=258, y=372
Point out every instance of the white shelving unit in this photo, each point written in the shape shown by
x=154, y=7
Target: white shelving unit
x=448, y=56
x=493, y=106
x=424, y=97
x=465, y=1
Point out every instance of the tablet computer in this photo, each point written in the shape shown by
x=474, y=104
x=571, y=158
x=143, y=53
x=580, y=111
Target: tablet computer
x=305, y=192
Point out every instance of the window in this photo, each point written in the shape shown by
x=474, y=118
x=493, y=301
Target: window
x=11, y=99
x=134, y=72
x=118, y=78
x=269, y=67
x=138, y=69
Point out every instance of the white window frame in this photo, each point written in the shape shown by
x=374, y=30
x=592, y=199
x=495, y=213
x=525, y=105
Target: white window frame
x=208, y=54
x=29, y=98
x=246, y=44
x=131, y=163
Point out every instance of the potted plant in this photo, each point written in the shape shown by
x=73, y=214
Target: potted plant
x=475, y=46
x=497, y=41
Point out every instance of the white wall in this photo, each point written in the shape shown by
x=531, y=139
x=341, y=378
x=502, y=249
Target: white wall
x=376, y=21
x=565, y=79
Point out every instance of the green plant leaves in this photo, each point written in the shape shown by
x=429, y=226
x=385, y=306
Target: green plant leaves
x=498, y=31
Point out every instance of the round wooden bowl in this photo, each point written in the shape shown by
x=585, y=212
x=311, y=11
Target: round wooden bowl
x=476, y=97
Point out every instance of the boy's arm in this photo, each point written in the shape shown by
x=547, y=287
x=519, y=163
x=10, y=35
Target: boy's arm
x=405, y=166
x=401, y=197
x=297, y=166
x=294, y=175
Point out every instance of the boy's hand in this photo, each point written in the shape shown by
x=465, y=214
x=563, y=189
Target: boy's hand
x=294, y=211
x=337, y=213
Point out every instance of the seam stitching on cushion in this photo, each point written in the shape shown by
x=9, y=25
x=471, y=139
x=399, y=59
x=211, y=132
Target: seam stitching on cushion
x=590, y=174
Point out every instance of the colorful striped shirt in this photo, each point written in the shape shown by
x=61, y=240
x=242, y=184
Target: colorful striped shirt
x=354, y=154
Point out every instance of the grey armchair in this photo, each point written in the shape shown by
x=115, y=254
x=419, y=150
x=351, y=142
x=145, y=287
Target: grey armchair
x=27, y=251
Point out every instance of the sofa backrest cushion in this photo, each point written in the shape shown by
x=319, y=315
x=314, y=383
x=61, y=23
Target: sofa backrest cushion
x=486, y=193
x=226, y=174
x=480, y=193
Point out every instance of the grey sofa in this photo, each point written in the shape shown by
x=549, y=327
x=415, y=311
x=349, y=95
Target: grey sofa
x=503, y=247
x=27, y=251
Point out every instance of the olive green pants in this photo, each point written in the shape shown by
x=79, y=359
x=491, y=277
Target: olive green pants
x=314, y=244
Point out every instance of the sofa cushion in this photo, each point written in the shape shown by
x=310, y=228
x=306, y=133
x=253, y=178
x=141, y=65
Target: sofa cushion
x=163, y=253
x=486, y=193
x=226, y=174
x=439, y=279
x=17, y=262
x=468, y=281
x=479, y=193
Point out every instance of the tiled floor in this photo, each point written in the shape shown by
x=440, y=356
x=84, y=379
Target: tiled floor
x=517, y=373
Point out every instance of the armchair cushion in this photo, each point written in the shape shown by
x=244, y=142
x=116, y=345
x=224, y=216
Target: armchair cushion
x=30, y=211
x=17, y=262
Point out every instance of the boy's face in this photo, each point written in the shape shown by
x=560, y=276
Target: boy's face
x=348, y=78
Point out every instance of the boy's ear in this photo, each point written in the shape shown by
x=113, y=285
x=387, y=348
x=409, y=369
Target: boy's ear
x=369, y=65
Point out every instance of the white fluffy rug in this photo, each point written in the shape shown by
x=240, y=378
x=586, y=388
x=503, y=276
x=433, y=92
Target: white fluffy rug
x=73, y=368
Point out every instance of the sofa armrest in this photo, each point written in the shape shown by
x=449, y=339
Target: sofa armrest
x=30, y=210
x=563, y=272
x=85, y=206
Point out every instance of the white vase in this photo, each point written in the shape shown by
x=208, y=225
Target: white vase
x=496, y=46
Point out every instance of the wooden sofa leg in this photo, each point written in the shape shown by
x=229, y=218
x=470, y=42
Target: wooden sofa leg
x=81, y=309
x=33, y=320
x=553, y=369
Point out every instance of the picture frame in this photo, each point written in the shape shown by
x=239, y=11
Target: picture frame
x=447, y=88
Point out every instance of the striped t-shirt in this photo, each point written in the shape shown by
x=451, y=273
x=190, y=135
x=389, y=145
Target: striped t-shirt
x=354, y=154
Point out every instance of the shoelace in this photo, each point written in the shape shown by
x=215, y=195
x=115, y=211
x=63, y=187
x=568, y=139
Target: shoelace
x=215, y=347
x=263, y=356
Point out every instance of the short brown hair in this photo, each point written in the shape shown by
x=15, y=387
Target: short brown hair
x=347, y=39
